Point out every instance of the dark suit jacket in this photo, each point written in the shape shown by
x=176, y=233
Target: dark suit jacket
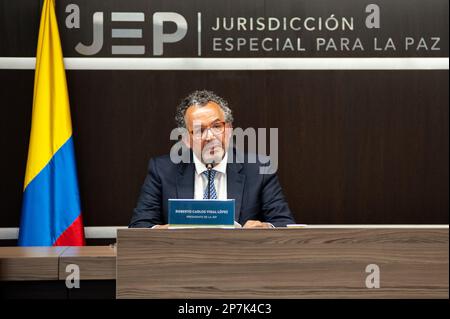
x=257, y=196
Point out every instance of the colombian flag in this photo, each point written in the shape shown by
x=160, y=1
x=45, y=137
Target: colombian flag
x=51, y=213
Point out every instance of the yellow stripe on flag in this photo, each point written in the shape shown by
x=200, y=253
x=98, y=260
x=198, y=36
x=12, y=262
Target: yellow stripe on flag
x=51, y=126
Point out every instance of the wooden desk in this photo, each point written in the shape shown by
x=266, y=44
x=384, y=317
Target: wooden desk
x=49, y=263
x=95, y=262
x=281, y=263
x=29, y=263
x=39, y=272
x=315, y=262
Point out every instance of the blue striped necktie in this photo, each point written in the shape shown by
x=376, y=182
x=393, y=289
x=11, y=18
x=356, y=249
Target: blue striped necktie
x=212, y=188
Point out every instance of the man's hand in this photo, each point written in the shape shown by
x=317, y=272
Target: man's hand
x=166, y=226
x=256, y=224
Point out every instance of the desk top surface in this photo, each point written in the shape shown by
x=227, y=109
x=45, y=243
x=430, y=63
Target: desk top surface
x=31, y=252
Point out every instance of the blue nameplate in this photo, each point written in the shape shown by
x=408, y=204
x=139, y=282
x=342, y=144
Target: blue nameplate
x=201, y=213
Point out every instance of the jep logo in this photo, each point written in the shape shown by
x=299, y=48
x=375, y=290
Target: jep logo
x=99, y=33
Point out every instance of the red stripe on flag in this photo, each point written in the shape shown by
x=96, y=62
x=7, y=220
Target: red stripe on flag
x=73, y=235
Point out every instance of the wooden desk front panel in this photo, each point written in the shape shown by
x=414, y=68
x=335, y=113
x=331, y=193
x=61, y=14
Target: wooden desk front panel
x=95, y=262
x=281, y=263
x=29, y=263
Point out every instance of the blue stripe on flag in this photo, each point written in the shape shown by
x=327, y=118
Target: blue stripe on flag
x=51, y=201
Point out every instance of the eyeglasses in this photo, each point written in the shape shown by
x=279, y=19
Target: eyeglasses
x=216, y=128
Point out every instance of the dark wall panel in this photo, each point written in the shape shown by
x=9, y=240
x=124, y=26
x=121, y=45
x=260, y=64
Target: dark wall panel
x=355, y=146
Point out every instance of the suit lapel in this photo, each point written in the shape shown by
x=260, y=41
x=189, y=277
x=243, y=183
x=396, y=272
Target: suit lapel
x=185, y=181
x=235, y=186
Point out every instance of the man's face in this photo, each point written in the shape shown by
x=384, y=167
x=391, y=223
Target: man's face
x=208, y=133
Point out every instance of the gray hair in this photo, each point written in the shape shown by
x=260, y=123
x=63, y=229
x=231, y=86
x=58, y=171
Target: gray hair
x=201, y=98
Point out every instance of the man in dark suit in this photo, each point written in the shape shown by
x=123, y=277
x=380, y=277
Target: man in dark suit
x=207, y=120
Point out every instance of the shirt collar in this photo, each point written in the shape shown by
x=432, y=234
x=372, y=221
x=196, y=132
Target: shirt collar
x=221, y=167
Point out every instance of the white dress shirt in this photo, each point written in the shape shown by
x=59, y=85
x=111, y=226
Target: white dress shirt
x=220, y=179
